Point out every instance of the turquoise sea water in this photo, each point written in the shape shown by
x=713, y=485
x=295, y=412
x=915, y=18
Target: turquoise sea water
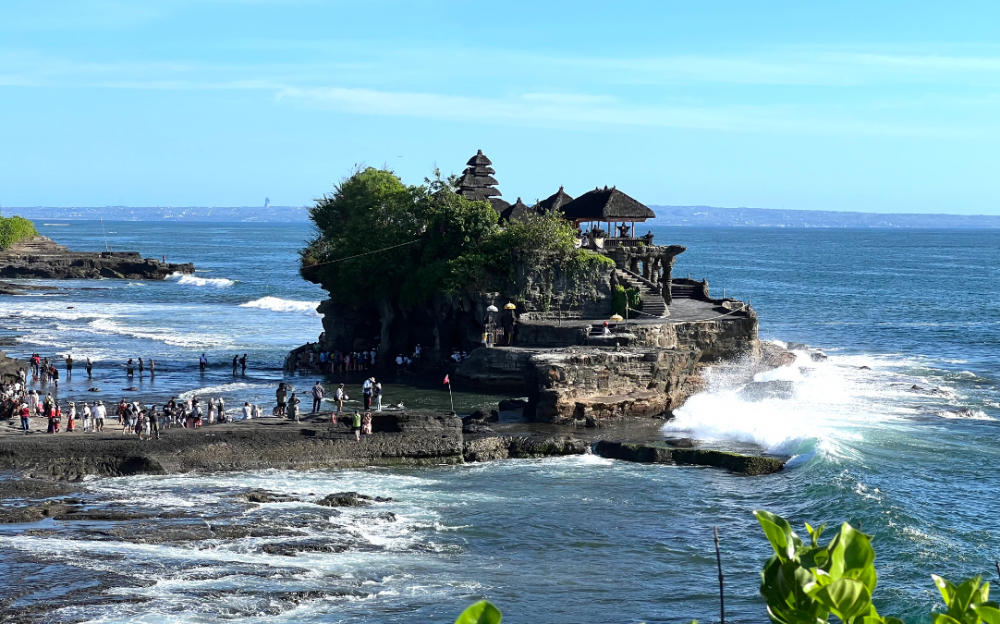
x=579, y=539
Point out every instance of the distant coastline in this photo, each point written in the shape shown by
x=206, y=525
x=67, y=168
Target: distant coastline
x=673, y=216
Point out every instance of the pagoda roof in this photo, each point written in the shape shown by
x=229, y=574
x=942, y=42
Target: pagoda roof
x=607, y=204
x=473, y=179
x=554, y=202
x=479, y=159
x=499, y=204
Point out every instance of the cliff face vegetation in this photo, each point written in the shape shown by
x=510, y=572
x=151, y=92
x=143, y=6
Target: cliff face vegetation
x=14, y=230
x=411, y=264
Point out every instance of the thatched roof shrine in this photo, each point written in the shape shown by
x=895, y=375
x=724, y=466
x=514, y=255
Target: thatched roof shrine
x=554, y=202
x=607, y=204
x=518, y=211
x=477, y=182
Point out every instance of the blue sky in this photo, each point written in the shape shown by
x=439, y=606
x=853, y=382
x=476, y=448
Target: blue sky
x=888, y=106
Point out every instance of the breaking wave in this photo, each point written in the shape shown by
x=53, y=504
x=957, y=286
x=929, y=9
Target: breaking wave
x=276, y=304
x=191, y=280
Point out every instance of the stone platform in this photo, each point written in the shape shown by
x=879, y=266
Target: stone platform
x=43, y=258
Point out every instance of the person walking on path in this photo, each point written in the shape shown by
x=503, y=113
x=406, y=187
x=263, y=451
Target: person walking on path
x=243, y=363
x=356, y=426
x=90, y=369
x=317, y=392
x=293, y=407
x=203, y=362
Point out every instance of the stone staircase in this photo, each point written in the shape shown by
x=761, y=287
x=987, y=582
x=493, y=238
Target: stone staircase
x=684, y=291
x=652, y=301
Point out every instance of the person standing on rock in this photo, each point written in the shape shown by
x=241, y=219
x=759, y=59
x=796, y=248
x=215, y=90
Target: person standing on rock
x=55, y=376
x=87, y=418
x=366, y=424
x=366, y=392
x=222, y=410
x=279, y=397
x=100, y=413
x=247, y=410
x=340, y=396
x=317, y=392
x=154, y=421
x=71, y=417
x=293, y=407
x=90, y=369
x=356, y=426
x=25, y=417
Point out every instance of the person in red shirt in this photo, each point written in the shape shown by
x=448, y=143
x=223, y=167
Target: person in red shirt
x=25, y=417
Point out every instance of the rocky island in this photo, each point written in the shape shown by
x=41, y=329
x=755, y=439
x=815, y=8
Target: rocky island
x=26, y=254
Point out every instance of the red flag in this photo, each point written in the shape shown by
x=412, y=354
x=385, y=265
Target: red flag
x=446, y=380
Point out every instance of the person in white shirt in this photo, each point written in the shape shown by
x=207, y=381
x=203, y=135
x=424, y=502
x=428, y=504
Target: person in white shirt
x=100, y=414
x=247, y=411
x=87, y=420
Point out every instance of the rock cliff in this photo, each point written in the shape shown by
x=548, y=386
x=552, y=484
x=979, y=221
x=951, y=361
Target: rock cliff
x=43, y=258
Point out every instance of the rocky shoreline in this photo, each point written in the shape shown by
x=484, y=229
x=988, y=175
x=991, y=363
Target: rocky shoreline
x=43, y=258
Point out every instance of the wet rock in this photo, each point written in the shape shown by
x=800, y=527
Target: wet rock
x=818, y=356
x=34, y=488
x=93, y=389
x=267, y=496
x=476, y=429
x=864, y=368
x=350, y=499
x=482, y=416
x=747, y=465
x=507, y=405
x=797, y=346
x=130, y=389
x=761, y=390
x=682, y=442
x=291, y=549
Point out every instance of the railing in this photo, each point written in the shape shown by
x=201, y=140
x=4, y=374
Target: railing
x=611, y=242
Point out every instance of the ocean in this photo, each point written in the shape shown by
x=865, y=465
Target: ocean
x=896, y=432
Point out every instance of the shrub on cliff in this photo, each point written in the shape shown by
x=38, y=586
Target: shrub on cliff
x=384, y=244
x=14, y=230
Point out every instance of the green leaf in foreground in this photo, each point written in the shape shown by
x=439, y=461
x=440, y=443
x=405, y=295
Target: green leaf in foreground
x=482, y=612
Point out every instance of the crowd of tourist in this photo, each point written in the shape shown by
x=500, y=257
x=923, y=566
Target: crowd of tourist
x=18, y=400
x=313, y=358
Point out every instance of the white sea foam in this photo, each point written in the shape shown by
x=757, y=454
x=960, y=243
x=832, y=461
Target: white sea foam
x=164, y=335
x=830, y=407
x=276, y=304
x=224, y=388
x=191, y=280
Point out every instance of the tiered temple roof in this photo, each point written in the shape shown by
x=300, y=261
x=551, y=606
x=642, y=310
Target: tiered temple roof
x=478, y=184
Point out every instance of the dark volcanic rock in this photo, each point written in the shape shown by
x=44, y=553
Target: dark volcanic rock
x=350, y=499
x=682, y=442
x=42, y=258
x=267, y=496
x=507, y=405
x=748, y=465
